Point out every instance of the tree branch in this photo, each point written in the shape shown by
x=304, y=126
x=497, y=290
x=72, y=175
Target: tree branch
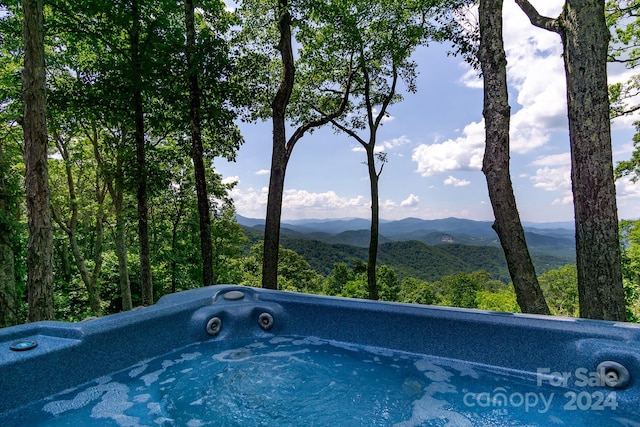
x=537, y=19
x=326, y=118
x=349, y=132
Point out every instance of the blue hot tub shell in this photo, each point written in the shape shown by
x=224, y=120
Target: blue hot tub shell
x=69, y=354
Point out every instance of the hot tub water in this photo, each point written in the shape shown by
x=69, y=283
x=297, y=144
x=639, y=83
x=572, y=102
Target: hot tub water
x=295, y=381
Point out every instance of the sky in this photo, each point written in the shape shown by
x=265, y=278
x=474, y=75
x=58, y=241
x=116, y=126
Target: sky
x=434, y=140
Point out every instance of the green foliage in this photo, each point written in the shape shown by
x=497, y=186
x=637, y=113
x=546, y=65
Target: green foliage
x=623, y=19
x=630, y=245
x=503, y=300
x=335, y=283
x=409, y=258
x=460, y=290
x=416, y=291
x=560, y=288
x=294, y=272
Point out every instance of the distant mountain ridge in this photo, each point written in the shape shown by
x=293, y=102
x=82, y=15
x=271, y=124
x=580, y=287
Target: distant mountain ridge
x=425, y=249
x=355, y=231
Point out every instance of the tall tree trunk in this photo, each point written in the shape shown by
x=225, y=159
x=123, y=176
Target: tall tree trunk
x=495, y=165
x=70, y=227
x=121, y=253
x=40, y=247
x=280, y=154
x=204, y=213
x=8, y=295
x=374, y=236
x=282, y=148
x=585, y=39
x=114, y=186
x=141, y=161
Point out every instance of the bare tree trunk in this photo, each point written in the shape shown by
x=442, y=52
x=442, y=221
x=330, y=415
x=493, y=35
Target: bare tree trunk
x=280, y=154
x=585, y=39
x=40, y=246
x=374, y=237
x=138, y=111
x=282, y=148
x=121, y=253
x=495, y=166
x=204, y=213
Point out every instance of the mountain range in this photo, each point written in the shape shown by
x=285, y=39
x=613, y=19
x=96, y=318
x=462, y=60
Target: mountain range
x=425, y=249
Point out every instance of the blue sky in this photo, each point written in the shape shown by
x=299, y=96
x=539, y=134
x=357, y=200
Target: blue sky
x=435, y=142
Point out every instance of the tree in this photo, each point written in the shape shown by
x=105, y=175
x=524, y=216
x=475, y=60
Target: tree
x=335, y=101
x=380, y=37
x=70, y=225
x=338, y=279
x=389, y=283
x=416, y=292
x=503, y=300
x=623, y=18
x=560, y=287
x=114, y=180
x=9, y=207
x=630, y=244
x=495, y=165
x=585, y=37
x=460, y=290
x=12, y=230
x=40, y=247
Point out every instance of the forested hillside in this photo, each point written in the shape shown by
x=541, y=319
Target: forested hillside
x=111, y=196
x=410, y=258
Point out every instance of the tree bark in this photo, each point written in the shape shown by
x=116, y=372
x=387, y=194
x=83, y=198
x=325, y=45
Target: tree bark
x=585, y=39
x=282, y=148
x=121, y=252
x=39, y=258
x=495, y=165
x=141, y=161
x=374, y=236
x=204, y=213
x=279, y=154
x=8, y=295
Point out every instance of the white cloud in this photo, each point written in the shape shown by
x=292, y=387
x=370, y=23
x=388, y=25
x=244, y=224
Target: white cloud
x=627, y=189
x=563, y=159
x=462, y=153
x=456, y=182
x=385, y=119
x=628, y=194
x=472, y=79
x=396, y=142
x=555, y=175
x=410, y=202
x=556, y=179
x=553, y=179
x=296, y=199
x=386, y=145
x=252, y=203
x=231, y=180
x=263, y=172
x=535, y=71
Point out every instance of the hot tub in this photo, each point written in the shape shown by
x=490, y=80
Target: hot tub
x=230, y=355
